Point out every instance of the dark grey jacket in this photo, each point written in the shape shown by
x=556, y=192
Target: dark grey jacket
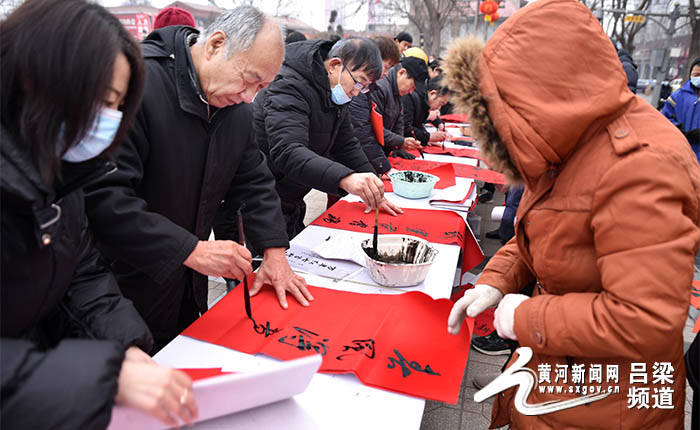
x=309, y=140
x=65, y=325
x=386, y=97
x=182, y=158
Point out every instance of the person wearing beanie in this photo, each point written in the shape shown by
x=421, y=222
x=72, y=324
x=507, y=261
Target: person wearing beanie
x=404, y=41
x=681, y=108
x=173, y=16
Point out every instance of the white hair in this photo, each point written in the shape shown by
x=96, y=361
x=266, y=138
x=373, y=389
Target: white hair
x=241, y=25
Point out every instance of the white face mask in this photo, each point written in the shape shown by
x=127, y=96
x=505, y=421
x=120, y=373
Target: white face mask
x=100, y=136
x=695, y=80
x=338, y=95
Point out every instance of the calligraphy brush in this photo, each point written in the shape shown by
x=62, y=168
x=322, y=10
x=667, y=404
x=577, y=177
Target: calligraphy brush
x=375, y=236
x=241, y=241
x=419, y=150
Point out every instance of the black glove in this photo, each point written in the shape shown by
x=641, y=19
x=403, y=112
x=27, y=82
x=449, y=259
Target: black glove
x=401, y=153
x=693, y=136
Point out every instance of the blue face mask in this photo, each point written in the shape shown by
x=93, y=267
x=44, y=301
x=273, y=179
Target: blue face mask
x=695, y=80
x=100, y=136
x=338, y=95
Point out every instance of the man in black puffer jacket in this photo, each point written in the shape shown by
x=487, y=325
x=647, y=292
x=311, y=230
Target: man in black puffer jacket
x=401, y=80
x=416, y=110
x=302, y=121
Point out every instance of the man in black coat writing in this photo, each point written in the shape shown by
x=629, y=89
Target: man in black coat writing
x=302, y=124
x=190, y=148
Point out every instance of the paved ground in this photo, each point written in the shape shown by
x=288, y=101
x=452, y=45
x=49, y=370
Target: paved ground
x=466, y=414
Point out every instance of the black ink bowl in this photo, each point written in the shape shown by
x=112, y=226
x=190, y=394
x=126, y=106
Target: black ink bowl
x=403, y=260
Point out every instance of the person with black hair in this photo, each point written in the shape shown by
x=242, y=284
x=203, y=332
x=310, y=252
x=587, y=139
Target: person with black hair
x=416, y=110
x=402, y=79
x=302, y=125
x=294, y=36
x=389, y=52
x=72, y=346
x=434, y=69
x=404, y=41
x=682, y=108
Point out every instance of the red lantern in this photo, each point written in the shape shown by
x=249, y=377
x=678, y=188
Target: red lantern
x=494, y=17
x=488, y=7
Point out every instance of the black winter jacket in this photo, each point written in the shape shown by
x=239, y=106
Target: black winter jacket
x=300, y=129
x=386, y=96
x=181, y=160
x=415, y=113
x=65, y=325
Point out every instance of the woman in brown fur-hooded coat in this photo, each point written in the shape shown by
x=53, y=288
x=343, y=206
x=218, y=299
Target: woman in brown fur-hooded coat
x=608, y=225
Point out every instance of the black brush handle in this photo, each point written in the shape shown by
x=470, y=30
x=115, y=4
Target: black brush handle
x=241, y=241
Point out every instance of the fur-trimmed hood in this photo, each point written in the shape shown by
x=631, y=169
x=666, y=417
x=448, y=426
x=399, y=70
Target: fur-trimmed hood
x=548, y=77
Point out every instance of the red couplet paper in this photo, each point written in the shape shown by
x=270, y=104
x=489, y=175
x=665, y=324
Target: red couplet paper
x=454, y=117
x=377, y=124
x=695, y=295
x=456, y=152
x=461, y=170
x=396, y=342
x=483, y=323
x=204, y=373
x=435, y=226
x=480, y=174
x=446, y=173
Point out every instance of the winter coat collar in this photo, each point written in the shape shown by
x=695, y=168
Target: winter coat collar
x=390, y=81
x=306, y=59
x=530, y=91
x=171, y=44
x=19, y=176
x=688, y=89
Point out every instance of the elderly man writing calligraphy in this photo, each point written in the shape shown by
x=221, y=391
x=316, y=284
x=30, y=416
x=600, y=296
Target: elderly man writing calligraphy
x=190, y=148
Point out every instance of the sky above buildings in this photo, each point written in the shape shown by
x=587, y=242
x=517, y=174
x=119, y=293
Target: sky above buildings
x=313, y=12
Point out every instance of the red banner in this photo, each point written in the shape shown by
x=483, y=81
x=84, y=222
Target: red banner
x=445, y=172
x=461, y=170
x=454, y=117
x=396, y=342
x=455, y=152
x=435, y=226
x=204, y=373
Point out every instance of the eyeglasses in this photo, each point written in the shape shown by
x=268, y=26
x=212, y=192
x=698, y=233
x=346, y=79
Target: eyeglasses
x=364, y=89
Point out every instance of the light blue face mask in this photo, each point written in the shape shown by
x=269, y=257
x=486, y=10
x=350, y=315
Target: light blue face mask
x=338, y=95
x=98, y=138
x=695, y=80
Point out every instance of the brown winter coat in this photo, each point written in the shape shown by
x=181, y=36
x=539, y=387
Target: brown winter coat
x=608, y=224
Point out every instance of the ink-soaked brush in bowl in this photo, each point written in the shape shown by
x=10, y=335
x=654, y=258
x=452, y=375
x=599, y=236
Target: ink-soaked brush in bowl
x=375, y=236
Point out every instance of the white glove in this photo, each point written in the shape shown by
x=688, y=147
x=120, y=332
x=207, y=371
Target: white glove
x=474, y=302
x=504, y=317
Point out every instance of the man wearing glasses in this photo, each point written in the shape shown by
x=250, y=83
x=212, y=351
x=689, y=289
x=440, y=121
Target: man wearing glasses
x=302, y=124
